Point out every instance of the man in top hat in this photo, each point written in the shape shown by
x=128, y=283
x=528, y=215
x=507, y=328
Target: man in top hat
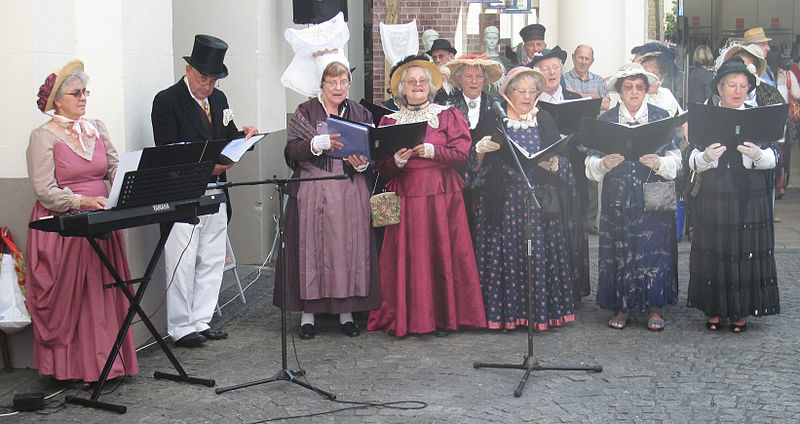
x=194, y=255
x=442, y=52
x=532, y=42
x=757, y=37
x=550, y=62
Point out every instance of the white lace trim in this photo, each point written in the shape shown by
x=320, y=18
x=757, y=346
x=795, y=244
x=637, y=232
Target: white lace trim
x=521, y=123
x=68, y=137
x=429, y=114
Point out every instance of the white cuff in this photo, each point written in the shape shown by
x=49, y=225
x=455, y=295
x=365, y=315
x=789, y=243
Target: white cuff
x=399, y=162
x=429, y=151
x=595, y=170
x=669, y=164
x=699, y=164
x=361, y=168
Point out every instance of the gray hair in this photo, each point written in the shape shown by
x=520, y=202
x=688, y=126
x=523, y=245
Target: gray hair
x=524, y=76
x=460, y=71
x=76, y=75
x=400, y=98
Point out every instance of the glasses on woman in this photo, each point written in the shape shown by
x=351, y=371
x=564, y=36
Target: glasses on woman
x=77, y=94
x=423, y=81
x=530, y=92
x=630, y=86
x=334, y=84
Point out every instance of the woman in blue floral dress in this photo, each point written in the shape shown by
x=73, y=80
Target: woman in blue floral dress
x=636, y=254
x=502, y=215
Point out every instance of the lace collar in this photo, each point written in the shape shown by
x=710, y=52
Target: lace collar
x=526, y=121
x=429, y=114
x=63, y=130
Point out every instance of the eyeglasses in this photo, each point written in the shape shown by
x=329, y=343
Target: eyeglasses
x=629, y=87
x=423, y=81
x=530, y=92
x=477, y=77
x=334, y=84
x=554, y=68
x=204, y=80
x=79, y=93
x=733, y=85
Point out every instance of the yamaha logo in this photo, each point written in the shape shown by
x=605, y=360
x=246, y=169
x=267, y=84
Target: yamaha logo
x=161, y=207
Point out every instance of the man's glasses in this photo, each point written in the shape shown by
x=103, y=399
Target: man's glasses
x=79, y=93
x=204, y=80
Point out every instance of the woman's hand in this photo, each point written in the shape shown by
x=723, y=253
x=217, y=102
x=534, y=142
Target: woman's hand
x=424, y=150
x=249, y=131
x=335, y=143
x=651, y=160
x=402, y=156
x=486, y=145
x=218, y=169
x=611, y=161
x=358, y=162
x=550, y=164
x=713, y=152
x=93, y=203
x=750, y=150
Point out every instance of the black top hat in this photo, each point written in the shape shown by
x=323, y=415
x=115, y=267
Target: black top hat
x=548, y=53
x=207, y=56
x=441, y=44
x=734, y=65
x=532, y=32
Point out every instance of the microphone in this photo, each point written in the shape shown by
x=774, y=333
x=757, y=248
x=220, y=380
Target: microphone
x=498, y=107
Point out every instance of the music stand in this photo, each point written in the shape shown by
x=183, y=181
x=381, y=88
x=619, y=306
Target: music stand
x=157, y=187
x=529, y=362
x=284, y=374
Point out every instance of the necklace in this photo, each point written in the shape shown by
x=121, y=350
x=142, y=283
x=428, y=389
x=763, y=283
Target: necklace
x=419, y=106
x=472, y=104
x=525, y=121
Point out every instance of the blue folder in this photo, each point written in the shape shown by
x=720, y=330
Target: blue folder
x=354, y=136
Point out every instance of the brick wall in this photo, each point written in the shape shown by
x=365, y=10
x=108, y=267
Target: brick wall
x=441, y=15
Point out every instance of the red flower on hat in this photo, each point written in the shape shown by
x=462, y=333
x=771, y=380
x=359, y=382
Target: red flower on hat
x=45, y=90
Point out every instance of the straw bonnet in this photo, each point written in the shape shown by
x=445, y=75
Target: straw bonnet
x=48, y=90
x=628, y=70
x=519, y=70
x=755, y=35
x=410, y=62
x=734, y=48
x=493, y=68
x=733, y=66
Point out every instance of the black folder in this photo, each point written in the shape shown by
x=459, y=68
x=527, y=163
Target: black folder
x=385, y=141
x=377, y=111
x=557, y=148
x=710, y=124
x=568, y=114
x=632, y=142
x=180, y=153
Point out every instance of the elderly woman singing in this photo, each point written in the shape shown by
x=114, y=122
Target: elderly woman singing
x=429, y=280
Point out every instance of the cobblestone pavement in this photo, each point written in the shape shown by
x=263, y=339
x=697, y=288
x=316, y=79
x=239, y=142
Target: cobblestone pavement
x=684, y=374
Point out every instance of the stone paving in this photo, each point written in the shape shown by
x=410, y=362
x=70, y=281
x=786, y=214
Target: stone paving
x=684, y=374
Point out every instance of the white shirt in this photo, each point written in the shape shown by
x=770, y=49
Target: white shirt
x=199, y=102
x=665, y=100
x=556, y=97
x=474, y=113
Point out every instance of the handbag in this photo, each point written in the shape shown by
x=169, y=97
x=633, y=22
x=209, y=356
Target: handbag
x=384, y=207
x=659, y=196
x=794, y=109
x=13, y=314
x=547, y=196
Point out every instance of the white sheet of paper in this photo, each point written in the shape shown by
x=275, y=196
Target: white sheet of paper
x=235, y=149
x=127, y=162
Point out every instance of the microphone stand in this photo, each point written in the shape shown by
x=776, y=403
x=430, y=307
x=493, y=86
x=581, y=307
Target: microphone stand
x=284, y=374
x=529, y=362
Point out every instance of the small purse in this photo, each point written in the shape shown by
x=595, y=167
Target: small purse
x=384, y=207
x=794, y=109
x=659, y=196
x=547, y=196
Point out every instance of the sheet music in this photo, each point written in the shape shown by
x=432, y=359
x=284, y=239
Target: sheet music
x=127, y=162
x=236, y=148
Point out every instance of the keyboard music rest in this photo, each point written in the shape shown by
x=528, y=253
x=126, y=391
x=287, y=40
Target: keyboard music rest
x=102, y=221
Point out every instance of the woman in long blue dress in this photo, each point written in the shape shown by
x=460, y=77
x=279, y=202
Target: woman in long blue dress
x=502, y=215
x=636, y=254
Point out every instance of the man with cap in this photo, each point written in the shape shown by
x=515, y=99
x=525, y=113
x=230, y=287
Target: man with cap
x=442, y=52
x=194, y=255
x=532, y=42
x=550, y=62
x=757, y=37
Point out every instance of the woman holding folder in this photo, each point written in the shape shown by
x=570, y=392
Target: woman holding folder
x=503, y=214
x=429, y=280
x=732, y=263
x=332, y=262
x=637, y=251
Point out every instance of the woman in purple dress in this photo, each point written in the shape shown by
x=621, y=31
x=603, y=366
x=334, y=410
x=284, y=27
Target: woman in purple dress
x=332, y=262
x=502, y=215
x=75, y=320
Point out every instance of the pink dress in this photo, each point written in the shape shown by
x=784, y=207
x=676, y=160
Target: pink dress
x=429, y=278
x=75, y=320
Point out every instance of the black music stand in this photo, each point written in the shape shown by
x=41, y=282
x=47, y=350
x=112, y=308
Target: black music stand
x=284, y=374
x=157, y=187
x=529, y=362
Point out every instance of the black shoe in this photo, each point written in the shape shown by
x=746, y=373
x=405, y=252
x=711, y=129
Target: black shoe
x=440, y=332
x=307, y=331
x=193, y=339
x=214, y=334
x=350, y=329
x=593, y=230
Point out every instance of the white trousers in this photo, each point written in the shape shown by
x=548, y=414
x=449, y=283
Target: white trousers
x=192, y=296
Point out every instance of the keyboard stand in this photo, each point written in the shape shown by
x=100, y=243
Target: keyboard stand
x=133, y=309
